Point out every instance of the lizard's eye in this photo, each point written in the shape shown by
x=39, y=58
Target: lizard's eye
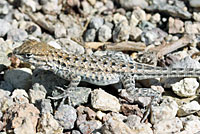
x=28, y=55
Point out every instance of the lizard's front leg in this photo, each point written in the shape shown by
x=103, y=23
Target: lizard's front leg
x=129, y=84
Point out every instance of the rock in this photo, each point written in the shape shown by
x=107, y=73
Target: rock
x=100, y=115
x=52, y=7
x=155, y=18
x=191, y=124
x=135, y=33
x=33, y=29
x=103, y=101
x=130, y=4
x=137, y=16
x=88, y=127
x=153, y=36
x=5, y=7
x=37, y=93
x=48, y=125
x=75, y=132
x=71, y=46
x=22, y=118
x=60, y=31
x=186, y=87
x=168, y=108
x=44, y=106
x=194, y=3
x=87, y=8
x=146, y=26
x=31, y=4
x=66, y=116
x=192, y=28
x=115, y=126
x=19, y=78
x=96, y=23
x=4, y=61
x=90, y=35
x=172, y=125
x=74, y=31
x=104, y=33
x=175, y=10
x=134, y=122
x=196, y=16
x=5, y=27
x=20, y=96
x=175, y=26
x=121, y=32
x=5, y=100
x=188, y=108
x=128, y=109
x=17, y=34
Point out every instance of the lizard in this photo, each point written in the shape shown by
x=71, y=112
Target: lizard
x=98, y=70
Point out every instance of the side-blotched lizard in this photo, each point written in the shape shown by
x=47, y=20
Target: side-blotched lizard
x=102, y=71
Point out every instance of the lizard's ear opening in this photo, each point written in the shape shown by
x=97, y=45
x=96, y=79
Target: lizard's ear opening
x=10, y=54
x=28, y=55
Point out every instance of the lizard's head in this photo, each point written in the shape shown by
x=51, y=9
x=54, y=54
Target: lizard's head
x=34, y=52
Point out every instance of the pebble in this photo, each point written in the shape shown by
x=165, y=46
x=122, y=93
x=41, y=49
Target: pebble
x=88, y=127
x=96, y=23
x=17, y=34
x=175, y=26
x=189, y=108
x=130, y=4
x=60, y=31
x=20, y=96
x=66, y=116
x=135, y=33
x=37, y=93
x=90, y=35
x=191, y=124
x=192, y=28
x=5, y=7
x=186, y=87
x=196, y=16
x=5, y=27
x=194, y=3
x=19, y=78
x=104, y=33
x=103, y=101
x=44, y=105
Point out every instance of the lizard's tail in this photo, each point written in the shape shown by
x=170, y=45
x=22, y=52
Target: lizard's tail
x=146, y=71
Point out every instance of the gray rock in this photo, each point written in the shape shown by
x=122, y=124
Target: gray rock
x=90, y=35
x=145, y=25
x=175, y=25
x=104, y=33
x=175, y=10
x=96, y=23
x=52, y=7
x=17, y=34
x=103, y=101
x=19, y=78
x=88, y=126
x=5, y=27
x=194, y=3
x=44, y=106
x=153, y=36
x=121, y=32
x=130, y=4
x=37, y=93
x=5, y=7
x=48, y=125
x=172, y=125
x=60, y=31
x=74, y=31
x=66, y=116
x=4, y=61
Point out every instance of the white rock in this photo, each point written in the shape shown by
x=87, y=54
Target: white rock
x=20, y=96
x=186, y=87
x=135, y=33
x=137, y=16
x=117, y=18
x=5, y=27
x=19, y=78
x=194, y=3
x=168, y=108
x=175, y=25
x=103, y=101
x=196, y=16
x=188, y=108
x=168, y=126
x=192, y=28
x=100, y=115
x=155, y=18
x=60, y=30
x=37, y=93
x=191, y=124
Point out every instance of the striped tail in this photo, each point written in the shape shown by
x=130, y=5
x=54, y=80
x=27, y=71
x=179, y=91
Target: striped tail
x=142, y=71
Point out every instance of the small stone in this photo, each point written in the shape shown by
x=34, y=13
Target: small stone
x=168, y=108
x=88, y=127
x=145, y=26
x=121, y=32
x=130, y=4
x=44, y=106
x=52, y=7
x=172, y=125
x=192, y=28
x=103, y=101
x=92, y=2
x=48, y=125
x=90, y=35
x=104, y=33
x=100, y=115
x=96, y=23
x=20, y=96
x=191, y=124
x=17, y=34
x=37, y=93
x=175, y=25
x=188, y=108
x=155, y=18
x=75, y=132
x=5, y=27
x=23, y=118
x=186, y=87
x=196, y=16
x=118, y=18
x=54, y=44
x=66, y=116
x=194, y=3
x=33, y=29
x=31, y=4
x=5, y=7
x=135, y=33
x=60, y=31
x=131, y=109
x=19, y=78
